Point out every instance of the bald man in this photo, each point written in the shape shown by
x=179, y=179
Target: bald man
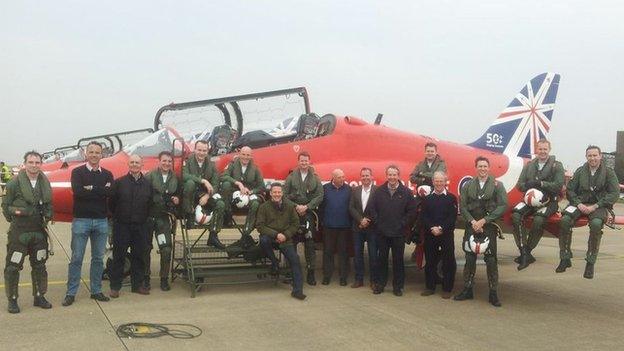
x=336, y=226
x=130, y=205
x=244, y=176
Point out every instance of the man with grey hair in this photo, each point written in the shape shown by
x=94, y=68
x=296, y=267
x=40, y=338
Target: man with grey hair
x=336, y=226
x=130, y=204
x=392, y=212
x=438, y=215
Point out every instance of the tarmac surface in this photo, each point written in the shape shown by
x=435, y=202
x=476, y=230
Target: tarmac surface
x=541, y=310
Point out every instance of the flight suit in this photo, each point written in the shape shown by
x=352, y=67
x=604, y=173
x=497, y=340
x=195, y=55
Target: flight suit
x=252, y=180
x=584, y=188
x=161, y=213
x=28, y=209
x=308, y=191
x=192, y=175
x=489, y=202
x=423, y=173
x=549, y=180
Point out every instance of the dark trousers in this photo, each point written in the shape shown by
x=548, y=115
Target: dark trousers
x=397, y=244
x=335, y=242
x=440, y=248
x=268, y=244
x=133, y=236
x=359, y=238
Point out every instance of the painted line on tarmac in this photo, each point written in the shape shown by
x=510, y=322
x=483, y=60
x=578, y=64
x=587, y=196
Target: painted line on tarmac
x=56, y=282
x=84, y=282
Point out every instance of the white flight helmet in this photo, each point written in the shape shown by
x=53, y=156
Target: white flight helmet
x=535, y=198
x=478, y=246
x=200, y=216
x=423, y=190
x=240, y=200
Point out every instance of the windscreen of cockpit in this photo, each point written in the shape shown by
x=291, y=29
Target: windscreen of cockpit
x=77, y=155
x=276, y=115
x=152, y=145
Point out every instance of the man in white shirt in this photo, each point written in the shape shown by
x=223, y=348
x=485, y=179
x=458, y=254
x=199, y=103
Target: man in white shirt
x=362, y=229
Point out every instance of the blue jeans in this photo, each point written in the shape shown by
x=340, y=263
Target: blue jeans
x=84, y=229
x=359, y=237
x=267, y=244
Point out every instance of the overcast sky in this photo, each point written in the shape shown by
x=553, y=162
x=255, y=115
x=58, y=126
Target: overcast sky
x=440, y=68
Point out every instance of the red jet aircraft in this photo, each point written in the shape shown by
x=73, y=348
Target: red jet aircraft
x=345, y=142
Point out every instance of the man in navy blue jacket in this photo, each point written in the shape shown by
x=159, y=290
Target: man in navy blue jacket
x=438, y=216
x=392, y=211
x=336, y=226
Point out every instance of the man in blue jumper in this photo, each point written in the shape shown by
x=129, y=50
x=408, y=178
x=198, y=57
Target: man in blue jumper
x=336, y=226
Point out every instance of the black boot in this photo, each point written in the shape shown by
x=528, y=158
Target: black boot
x=494, y=299
x=563, y=265
x=13, y=307
x=311, y=279
x=190, y=221
x=466, y=294
x=147, y=284
x=164, y=284
x=213, y=240
x=589, y=271
x=247, y=241
x=40, y=301
x=524, y=259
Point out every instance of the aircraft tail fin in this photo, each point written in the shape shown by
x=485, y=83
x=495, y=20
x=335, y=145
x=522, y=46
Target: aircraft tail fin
x=525, y=120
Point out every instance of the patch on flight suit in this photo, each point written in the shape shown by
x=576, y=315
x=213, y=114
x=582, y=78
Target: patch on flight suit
x=571, y=209
x=42, y=254
x=520, y=206
x=16, y=257
x=162, y=240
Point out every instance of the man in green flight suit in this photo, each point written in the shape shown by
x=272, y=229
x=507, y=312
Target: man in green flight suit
x=422, y=175
x=303, y=188
x=545, y=174
x=483, y=201
x=424, y=170
x=592, y=191
x=201, y=185
x=163, y=209
x=243, y=174
x=28, y=207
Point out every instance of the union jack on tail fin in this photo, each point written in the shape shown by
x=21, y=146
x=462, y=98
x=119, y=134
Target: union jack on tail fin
x=525, y=120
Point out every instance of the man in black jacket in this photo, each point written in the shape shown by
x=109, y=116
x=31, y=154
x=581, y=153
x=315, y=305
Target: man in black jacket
x=392, y=211
x=361, y=197
x=91, y=186
x=438, y=216
x=130, y=204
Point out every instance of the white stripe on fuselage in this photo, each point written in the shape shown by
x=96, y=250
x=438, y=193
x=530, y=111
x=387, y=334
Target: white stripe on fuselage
x=60, y=184
x=510, y=178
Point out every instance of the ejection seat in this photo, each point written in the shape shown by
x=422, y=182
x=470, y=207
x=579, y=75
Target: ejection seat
x=307, y=126
x=221, y=140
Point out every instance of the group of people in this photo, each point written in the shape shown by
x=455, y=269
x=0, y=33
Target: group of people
x=143, y=208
